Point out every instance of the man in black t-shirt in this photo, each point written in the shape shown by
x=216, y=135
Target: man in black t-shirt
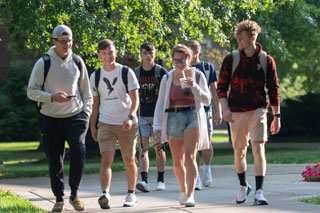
x=149, y=76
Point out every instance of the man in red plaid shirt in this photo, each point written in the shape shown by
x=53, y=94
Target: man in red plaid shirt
x=243, y=77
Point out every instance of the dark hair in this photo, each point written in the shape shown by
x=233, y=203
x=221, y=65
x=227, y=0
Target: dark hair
x=181, y=48
x=147, y=46
x=104, y=44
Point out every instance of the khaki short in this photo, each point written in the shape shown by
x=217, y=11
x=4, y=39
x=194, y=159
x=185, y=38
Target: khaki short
x=109, y=135
x=245, y=124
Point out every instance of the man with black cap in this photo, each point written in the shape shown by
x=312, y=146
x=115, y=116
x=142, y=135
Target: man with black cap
x=59, y=83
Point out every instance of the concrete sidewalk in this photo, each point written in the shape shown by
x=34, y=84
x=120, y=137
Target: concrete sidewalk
x=283, y=188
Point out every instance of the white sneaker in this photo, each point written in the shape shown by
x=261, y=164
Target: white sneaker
x=206, y=177
x=131, y=200
x=104, y=201
x=161, y=186
x=198, y=183
x=142, y=186
x=190, y=202
x=243, y=194
x=183, y=198
x=259, y=199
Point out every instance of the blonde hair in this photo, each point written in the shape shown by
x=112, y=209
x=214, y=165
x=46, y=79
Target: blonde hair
x=181, y=48
x=251, y=27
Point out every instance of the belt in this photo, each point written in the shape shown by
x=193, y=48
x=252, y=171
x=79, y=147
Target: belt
x=180, y=109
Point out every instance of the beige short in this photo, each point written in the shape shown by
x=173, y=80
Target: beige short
x=252, y=123
x=109, y=135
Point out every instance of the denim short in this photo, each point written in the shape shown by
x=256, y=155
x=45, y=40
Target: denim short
x=145, y=125
x=180, y=121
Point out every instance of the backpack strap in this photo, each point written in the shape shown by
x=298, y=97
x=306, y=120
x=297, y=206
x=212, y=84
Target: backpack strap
x=263, y=58
x=157, y=72
x=124, y=74
x=236, y=60
x=198, y=73
x=97, y=79
x=137, y=72
x=206, y=67
x=76, y=60
x=47, y=64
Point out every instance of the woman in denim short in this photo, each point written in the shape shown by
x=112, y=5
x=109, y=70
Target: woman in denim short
x=180, y=119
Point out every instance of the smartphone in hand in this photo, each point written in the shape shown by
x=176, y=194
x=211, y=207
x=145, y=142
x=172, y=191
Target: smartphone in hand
x=71, y=96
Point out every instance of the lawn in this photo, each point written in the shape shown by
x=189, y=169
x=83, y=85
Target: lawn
x=14, y=203
x=21, y=159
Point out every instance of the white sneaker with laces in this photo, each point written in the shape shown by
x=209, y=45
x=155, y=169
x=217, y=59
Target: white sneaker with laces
x=259, y=199
x=183, y=198
x=131, y=200
x=161, y=186
x=190, y=202
x=243, y=193
x=206, y=177
x=198, y=183
x=142, y=186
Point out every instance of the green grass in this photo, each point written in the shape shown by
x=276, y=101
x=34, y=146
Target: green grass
x=13, y=203
x=313, y=200
x=21, y=159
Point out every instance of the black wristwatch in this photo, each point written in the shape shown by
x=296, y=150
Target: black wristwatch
x=278, y=115
x=130, y=117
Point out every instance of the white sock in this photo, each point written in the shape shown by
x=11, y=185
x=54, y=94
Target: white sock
x=206, y=167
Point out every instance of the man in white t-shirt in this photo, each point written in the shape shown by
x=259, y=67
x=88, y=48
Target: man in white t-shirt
x=116, y=100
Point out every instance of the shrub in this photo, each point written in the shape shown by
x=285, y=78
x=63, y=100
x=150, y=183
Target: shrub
x=19, y=117
x=301, y=117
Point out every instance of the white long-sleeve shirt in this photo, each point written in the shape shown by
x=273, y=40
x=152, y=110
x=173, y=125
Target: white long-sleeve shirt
x=63, y=76
x=202, y=97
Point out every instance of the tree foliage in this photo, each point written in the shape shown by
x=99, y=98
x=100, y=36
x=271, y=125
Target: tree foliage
x=128, y=22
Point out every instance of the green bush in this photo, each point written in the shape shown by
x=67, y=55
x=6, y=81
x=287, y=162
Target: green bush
x=301, y=117
x=19, y=117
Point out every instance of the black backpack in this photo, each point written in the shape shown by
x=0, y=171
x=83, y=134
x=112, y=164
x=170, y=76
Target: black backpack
x=124, y=75
x=47, y=64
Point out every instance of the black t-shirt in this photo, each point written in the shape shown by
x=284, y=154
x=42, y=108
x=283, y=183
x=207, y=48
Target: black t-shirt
x=149, y=90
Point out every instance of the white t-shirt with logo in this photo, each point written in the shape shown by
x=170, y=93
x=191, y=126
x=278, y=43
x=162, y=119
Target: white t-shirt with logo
x=115, y=102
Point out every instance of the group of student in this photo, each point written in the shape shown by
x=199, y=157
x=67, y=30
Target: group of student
x=125, y=106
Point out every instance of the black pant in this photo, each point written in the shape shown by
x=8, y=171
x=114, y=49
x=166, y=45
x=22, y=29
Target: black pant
x=55, y=132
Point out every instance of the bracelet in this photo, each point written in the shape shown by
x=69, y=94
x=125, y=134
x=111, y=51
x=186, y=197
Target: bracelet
x=278, y=115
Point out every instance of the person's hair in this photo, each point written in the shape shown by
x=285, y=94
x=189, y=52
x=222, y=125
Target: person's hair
x=251, y=27
x=181, y=48
x=147, y=46
x=104, y=44
x=194, y=45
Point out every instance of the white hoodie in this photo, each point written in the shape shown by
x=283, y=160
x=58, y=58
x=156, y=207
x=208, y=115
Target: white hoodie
x=63, y=76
